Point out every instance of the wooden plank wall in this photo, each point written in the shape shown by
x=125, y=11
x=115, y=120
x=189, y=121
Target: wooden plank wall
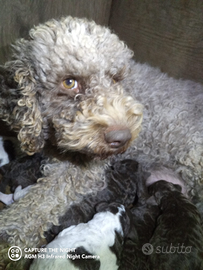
x=165, y=33
x=18, y=16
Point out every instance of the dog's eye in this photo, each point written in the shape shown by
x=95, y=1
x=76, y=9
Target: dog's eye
x=70, y=84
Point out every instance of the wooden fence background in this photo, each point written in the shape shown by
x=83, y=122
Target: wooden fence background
x=167, y=34
x=18, y=16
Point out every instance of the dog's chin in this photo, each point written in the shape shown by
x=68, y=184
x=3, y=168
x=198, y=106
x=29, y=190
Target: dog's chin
x=89, y=153
x=102, y=152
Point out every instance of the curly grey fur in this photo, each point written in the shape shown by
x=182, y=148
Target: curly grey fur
x=122, y=179
x=172, y=129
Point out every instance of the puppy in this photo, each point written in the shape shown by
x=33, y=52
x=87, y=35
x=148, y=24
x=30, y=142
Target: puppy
x=178, y=237
x=94, y=244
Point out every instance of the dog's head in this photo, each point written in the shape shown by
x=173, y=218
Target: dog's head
x=64, y=85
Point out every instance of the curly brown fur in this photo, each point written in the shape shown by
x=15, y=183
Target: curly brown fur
x=121, y=178
x=36, y=105
x=178, y=238
x=76, y=127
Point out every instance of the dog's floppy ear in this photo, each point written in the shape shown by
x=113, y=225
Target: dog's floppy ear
x=19, y=106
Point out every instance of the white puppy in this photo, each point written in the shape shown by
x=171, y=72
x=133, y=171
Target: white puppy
x=88, y=244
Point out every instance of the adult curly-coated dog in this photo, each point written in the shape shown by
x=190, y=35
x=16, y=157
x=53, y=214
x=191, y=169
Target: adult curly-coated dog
x=73, y=91
x=62, y=94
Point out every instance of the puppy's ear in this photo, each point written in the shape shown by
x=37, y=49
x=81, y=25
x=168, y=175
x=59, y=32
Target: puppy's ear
x=19, y=106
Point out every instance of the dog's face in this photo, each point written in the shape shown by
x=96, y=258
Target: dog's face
x=68, y=88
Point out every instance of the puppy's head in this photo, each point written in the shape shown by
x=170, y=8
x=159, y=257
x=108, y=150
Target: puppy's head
x=64, y=84
x=119, y=211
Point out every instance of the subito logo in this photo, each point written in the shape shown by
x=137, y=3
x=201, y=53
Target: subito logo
x=14, y=253
x=147, y=249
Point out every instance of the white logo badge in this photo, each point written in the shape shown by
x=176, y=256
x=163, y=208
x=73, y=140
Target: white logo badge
x=14, y=253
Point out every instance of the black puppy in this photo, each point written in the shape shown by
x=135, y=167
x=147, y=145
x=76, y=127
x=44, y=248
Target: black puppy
x=143, y=217
x=121, y=188
x=177, y=242
x=18, y=175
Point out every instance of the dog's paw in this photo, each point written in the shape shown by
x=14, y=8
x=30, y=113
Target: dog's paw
x=6, y=198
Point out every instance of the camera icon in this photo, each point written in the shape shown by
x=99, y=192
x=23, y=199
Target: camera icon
x=15, y=253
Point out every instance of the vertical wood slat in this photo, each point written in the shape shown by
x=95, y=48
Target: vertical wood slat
x=17, y=17
x=166, y=34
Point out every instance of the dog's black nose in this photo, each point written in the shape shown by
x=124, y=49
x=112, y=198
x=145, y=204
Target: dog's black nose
x=117, y=137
